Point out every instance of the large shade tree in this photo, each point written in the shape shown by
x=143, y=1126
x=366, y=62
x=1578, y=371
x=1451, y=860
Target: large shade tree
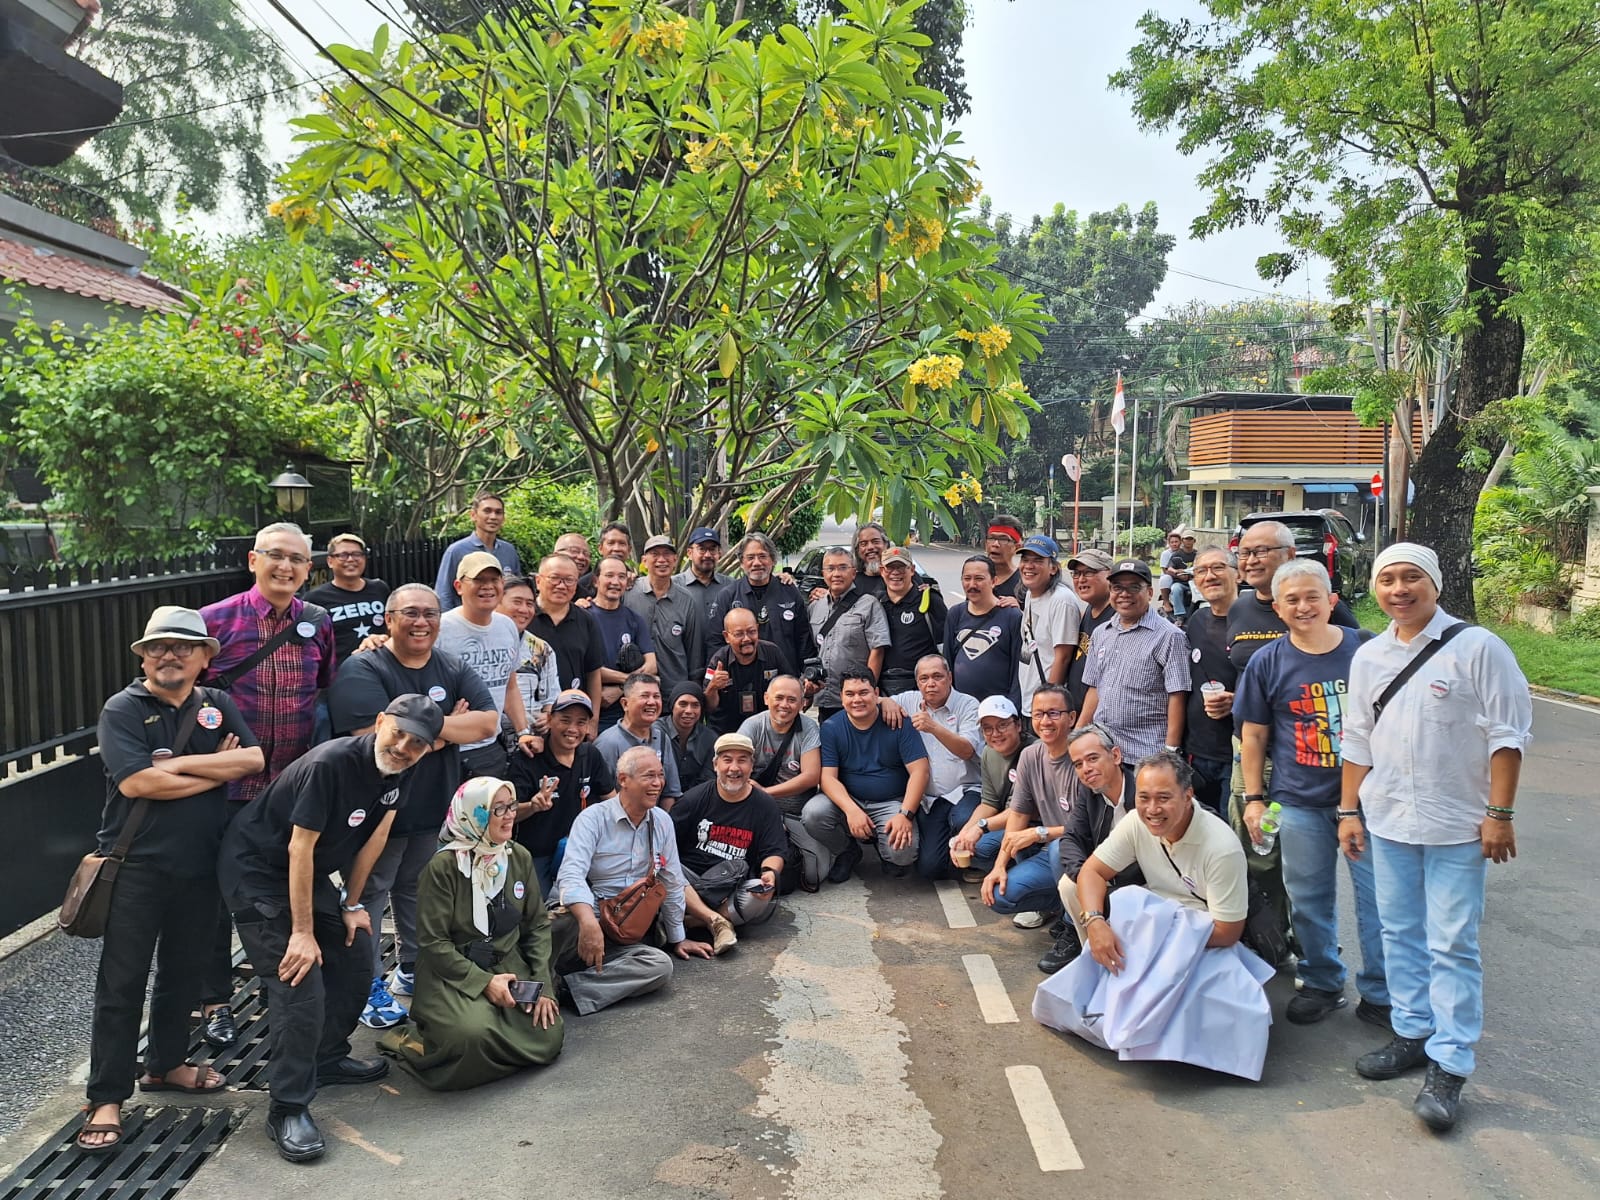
x=721, y=260
x=1391, y=138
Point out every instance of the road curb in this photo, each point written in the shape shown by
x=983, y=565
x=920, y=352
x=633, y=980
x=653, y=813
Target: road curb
x=30, y=933
x=1570, y=697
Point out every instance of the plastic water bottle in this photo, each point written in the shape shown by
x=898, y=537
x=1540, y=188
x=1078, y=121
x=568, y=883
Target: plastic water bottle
x=1271, y=820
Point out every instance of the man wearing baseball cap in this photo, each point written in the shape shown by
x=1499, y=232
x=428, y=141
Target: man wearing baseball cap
x=676, y=617
x=331, y=810
x=1137, y=678
x=701, y=576
x=1050, y=617
x=558, y=783
x=1434, y=774
x=916, y=613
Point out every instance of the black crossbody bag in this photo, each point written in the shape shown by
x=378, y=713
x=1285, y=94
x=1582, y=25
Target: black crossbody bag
x=309, y=613
x=1412, y=667
x=1261, y=932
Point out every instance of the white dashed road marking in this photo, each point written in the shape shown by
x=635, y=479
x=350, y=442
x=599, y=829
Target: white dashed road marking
x=1052, y=1144
x=993, y=1002
x=955, y=905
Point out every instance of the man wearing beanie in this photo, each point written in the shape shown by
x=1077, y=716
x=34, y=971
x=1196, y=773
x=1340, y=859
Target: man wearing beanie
x=1438, y=719
x=689, y=738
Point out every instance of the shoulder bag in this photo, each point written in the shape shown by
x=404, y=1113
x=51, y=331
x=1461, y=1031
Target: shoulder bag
x=1412, y=667
x=87, y=904
x=627, y=917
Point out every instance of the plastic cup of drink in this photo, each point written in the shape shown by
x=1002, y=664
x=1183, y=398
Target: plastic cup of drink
x=962, y=858
x=1211, y=686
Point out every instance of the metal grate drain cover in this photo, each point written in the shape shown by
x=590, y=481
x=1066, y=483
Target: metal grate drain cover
x=161, y=1150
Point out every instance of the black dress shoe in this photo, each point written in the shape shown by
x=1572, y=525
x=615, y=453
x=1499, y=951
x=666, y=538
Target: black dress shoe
x=896, y=870
x=218, y=1028
x=1402, y=1054
x=1440, y=1099
x=296, y=1135
x=1067, y=947
x=352, y=1070
x=1312, y=1004
x=845, y=863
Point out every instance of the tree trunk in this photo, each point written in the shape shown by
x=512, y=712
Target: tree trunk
x=1490, y=368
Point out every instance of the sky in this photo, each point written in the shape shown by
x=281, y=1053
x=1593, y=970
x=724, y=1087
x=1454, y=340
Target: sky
x=1044, y=127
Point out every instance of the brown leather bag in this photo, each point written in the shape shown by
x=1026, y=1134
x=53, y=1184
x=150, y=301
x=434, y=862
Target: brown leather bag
x=627, y=917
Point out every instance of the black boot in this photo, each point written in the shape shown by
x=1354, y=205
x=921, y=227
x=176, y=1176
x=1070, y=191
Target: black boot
x=1402, y=1054
x=1440, y=1098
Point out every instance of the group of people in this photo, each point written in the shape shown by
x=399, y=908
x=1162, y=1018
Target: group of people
x=559, y=784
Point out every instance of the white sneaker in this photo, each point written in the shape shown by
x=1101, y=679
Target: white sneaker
x=1032, y=920
x=402, y=983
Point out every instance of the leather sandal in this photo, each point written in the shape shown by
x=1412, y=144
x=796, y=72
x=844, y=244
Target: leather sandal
x=161, y=1083
x=91, y=1126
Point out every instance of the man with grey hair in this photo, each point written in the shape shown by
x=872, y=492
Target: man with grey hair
x=779, y=608
x=1290, y=704
x=849, y=626
x=277, y=656
x=948, y=722
x=613, y=845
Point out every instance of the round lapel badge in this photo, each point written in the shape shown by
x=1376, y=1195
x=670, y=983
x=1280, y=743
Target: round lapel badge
x=209, y=717
x=519, y=889
x=436, y=694
x=357, y=817
x=306, y=629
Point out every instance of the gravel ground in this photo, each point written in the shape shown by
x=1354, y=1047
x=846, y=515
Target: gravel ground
x=46, y=1003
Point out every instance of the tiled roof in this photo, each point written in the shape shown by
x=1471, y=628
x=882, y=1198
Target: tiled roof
x=63, y=273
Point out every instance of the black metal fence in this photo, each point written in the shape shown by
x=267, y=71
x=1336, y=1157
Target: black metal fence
x=64, y=635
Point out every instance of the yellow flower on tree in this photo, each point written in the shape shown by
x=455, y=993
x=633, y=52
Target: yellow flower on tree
x=936, y=371
x=993, y=340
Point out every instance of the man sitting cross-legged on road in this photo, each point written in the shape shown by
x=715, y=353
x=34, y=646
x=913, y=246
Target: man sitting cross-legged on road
x=608, y=851
x=873, y=781
x=1022, y=882
x=731, y=842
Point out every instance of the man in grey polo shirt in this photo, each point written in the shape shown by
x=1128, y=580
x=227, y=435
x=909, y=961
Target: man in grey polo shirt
x=676, y=618
x=1137, y=677
x=704, y=581
x=851, y=630
x=948, y=723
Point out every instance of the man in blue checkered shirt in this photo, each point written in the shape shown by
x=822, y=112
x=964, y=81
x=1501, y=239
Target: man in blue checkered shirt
x=1137, y=676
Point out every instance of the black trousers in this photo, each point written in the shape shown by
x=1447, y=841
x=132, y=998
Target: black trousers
x=153, y=914
x=310, y=1023
x=216, y=965
x=1212, y=777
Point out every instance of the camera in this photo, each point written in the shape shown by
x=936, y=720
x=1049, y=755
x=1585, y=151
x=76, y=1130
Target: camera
x=812, y=671
x=630, y=658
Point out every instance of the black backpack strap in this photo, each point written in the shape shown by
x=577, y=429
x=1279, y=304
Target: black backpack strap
x=769, y=773
x=312, y=613
x=1411, y=668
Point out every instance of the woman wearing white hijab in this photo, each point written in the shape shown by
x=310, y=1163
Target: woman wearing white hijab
x=481, y=926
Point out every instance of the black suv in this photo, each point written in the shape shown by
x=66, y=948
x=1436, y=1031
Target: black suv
x=1326, y=535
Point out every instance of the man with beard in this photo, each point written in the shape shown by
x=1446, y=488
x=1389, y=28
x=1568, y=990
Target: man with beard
x=916, y=613
x=702, y=579
x=779, y=609
x=558, y=783
x=312, y=946
x=1091, y=571
x=738, y=675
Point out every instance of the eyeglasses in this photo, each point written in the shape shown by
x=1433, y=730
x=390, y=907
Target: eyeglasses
x=278, y=556
x=559, y=580
x=1211, y=569
x=1052, y=714
x=1131, y=589
x=1260, y=551
x=1084, y=573
x=345, y=555
x=415, y=614
x=501, y=810
x=162, y=649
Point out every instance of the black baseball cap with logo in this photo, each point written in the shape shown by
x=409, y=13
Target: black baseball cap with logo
x=417, y=715
x=1131, y=566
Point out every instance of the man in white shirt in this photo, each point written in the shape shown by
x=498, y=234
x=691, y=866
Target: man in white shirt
x=1436, y=781
x=948, y=723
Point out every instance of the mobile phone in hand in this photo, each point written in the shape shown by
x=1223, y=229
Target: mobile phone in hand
x=525, y=991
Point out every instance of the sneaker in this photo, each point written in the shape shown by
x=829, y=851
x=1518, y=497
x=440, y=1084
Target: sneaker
x=1067, y=947
x=1312, y=1004
x=1032, y=920
x=973, y=875
x=845, y=864
x=1374, y=1014
x=1402, y=1054
x=723, y=937
x=1058, y=926
x=402, y=983
x=382, y=1010
x=1440, y=1098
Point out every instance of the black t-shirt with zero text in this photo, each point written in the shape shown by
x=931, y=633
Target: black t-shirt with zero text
x=178, y=836
x=334, y=789
x=711, y=830
x=364, y=687
x=355, y=614
x=587, y=781
x=746, y=695
x=1206, y=737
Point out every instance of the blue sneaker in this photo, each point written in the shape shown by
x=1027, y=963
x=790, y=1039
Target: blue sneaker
x=402, y=983
x=382, y=1010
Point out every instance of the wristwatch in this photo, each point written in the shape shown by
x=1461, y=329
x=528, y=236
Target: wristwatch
x=983, y=824
x=354, y=907
x=1255, y=798
x=1042, y=833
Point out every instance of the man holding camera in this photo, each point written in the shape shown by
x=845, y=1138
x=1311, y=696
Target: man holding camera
x=851, y=630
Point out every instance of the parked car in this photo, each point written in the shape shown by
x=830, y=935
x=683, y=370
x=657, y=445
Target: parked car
x=807, y=572
x=1326, y=535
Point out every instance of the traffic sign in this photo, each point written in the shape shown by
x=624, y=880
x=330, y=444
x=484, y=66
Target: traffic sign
x=1069, y=463
x=1377, y=483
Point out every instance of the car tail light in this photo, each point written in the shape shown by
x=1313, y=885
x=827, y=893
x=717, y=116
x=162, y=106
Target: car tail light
x=1330, y=551
x=1233, y=544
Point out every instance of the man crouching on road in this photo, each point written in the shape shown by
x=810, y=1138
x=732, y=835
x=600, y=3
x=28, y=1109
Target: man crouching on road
x=329, y=811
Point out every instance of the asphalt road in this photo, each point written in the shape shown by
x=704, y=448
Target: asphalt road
x=844, y=1052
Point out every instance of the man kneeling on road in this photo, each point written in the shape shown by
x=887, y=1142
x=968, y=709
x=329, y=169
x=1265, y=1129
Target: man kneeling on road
x=1180, y=932
x=727, y=826
x=613, y=845
x=329, y=811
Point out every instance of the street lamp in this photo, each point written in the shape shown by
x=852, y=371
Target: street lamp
x=292, y=489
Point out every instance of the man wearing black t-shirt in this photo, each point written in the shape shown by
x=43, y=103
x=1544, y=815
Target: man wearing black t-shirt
x=355, y=602
x=1208, y=739
x=779, y=608
x=571, y=632
x=558, y=783
x=916, y=612
x=330, y=810
x=731, y=840
x=410, y=663
x=1091, y=580
x=738, y=674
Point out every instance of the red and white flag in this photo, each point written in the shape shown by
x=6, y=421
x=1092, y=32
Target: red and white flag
x=1119, y=408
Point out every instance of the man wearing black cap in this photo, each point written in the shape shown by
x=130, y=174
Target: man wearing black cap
x=556, y=784
x=916, y=613
x=1090, y=569
x=1137, y=678
x=677, y=619
x=701, y=577
x=331, y=810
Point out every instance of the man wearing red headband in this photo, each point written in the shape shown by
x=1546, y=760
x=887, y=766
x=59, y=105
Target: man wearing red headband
x=1001, y=543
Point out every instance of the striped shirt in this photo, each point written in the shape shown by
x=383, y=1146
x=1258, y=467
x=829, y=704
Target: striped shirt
x=1133, y=671
x=278, y=696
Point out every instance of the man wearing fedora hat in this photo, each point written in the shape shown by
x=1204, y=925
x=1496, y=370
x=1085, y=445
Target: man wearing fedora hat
x=167, y=747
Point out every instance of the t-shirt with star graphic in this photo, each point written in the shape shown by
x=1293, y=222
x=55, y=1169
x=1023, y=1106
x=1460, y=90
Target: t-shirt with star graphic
x=355, y=614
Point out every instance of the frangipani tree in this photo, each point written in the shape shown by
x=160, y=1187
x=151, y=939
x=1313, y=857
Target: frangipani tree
x=721, y=261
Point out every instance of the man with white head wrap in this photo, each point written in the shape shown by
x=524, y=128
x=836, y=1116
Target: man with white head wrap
x=1438, y=720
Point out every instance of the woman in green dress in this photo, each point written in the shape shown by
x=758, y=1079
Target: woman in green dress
x=481, y=925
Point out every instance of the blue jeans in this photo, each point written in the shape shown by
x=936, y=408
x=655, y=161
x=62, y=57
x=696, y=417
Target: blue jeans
x=1431, y=901
x=1031, y=882
x=1211, y=779
x=1309, y=843
x=936, y=827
